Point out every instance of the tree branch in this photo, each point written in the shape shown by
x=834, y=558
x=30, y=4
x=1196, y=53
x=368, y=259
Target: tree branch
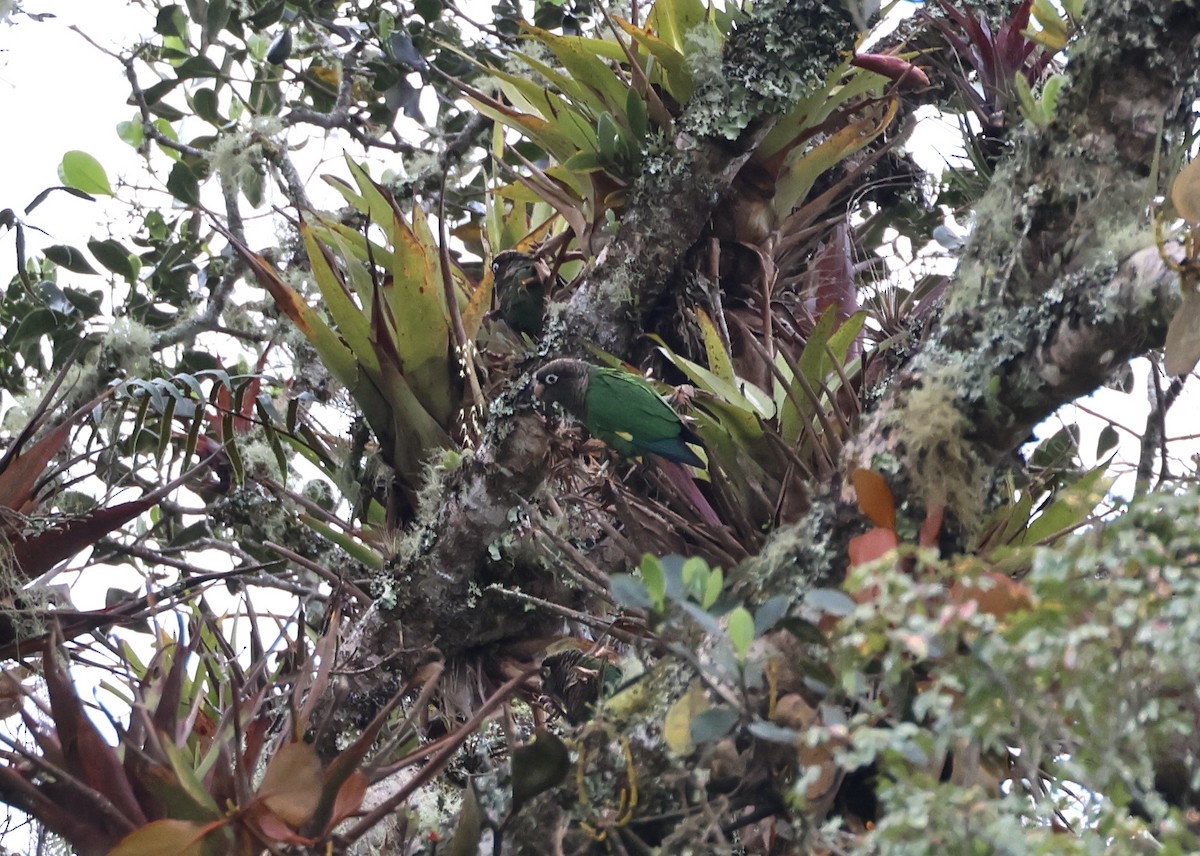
x=1061, y=282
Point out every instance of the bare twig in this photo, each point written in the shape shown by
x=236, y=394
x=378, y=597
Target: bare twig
x=323, y=572
x=342, y=116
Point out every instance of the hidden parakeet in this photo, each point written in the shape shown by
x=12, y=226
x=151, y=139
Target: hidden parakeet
x=522, y=284
x=619, y=408
x=573, y=681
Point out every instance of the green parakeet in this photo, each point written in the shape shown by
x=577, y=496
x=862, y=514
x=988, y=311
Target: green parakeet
x=619, y=408
x=522, y=284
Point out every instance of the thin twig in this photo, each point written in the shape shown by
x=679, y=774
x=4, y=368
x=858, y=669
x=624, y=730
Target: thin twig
x=323, y=572
x=435, y=764
x=583, y=618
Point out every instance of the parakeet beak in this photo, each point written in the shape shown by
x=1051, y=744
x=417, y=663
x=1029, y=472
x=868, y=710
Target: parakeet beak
x=538, y=389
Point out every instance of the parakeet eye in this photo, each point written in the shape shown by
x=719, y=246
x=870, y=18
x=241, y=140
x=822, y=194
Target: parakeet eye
x=551, y=379
x=495, y=267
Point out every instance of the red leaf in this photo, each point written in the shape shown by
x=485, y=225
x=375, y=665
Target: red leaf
x=683, y=482
x=256, y=734
x=931, y=526
x=349, y=799
x=995, y=593
x=85, y=753
x=871, y=545
x=833, y=272
x=39, y=553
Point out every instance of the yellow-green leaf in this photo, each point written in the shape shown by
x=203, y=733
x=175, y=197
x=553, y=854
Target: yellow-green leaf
x=418, y=315
x=376, y=205
x=177, y=837
x=351, y=322
x=719, y=361
x=584, y=59
x=802, y=168
x=677, y=727
x=672, y=19
x=469, y=830
x=539, y=765
x=83, y=172
x=740, y=628
x=674, y=71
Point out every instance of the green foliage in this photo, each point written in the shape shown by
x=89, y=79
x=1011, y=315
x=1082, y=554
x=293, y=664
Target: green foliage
x=1034, y=675
x=984, y=714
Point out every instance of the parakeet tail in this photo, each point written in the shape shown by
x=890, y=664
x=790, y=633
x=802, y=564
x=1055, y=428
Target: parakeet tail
x=682, y=481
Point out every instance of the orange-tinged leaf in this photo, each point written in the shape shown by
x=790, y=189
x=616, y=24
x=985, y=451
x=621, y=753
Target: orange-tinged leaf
x=477, y=306
x=349, y=798
x=874, y=498
x=931, y=526
x=532, y=239
x=995, y=593
x=546, y=135
x=326, y=74
x=291, y=787
x=25, y=468
x=334, y=353
x=893, y=68
x=871, y=545
x=175, y=837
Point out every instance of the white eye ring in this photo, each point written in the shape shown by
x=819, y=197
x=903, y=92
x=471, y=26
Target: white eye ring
x=551, y=379
x=495, y=267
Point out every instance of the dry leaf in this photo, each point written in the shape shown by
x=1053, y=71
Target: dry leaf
x=291, y=787
x=1185, y=193
x=1183, y=335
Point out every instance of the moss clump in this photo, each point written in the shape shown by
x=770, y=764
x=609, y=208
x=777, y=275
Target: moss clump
x=941, y=462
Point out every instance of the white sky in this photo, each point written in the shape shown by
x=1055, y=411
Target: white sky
x=58, y=93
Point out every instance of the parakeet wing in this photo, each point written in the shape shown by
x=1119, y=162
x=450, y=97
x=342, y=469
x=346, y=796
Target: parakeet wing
x=630, y=416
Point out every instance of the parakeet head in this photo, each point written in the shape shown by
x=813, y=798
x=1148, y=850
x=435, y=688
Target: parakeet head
x=564, y=381
x=506, y=264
